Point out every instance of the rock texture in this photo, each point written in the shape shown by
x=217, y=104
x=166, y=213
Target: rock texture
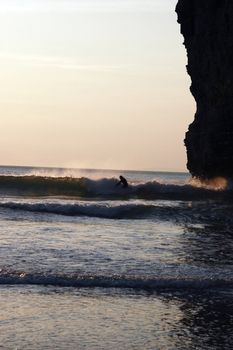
x=207, y=27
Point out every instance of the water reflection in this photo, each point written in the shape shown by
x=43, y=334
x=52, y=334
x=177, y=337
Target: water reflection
x=207, y=316
x=72, y=318
x=207, y=320
x=207, y=244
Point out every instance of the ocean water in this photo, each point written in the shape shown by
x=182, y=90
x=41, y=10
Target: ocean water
x=86, y=264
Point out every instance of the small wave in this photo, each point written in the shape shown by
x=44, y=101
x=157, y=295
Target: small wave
x=103, y=188
x=176, y=212
x=121, y=211
x=114, y=281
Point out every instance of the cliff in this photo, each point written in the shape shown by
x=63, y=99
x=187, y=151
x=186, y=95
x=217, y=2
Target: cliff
x=207, y=27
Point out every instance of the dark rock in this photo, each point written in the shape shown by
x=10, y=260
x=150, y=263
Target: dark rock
x=207, y=27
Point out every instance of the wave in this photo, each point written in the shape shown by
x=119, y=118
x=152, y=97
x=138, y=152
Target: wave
x=103, y=188
x=41, y=185
x=179, y=213
x=203, y=212
x=100, y=210
x=114, y=281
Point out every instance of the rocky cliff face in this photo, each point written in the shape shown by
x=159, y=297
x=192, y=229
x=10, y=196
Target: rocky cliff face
x=207, y=27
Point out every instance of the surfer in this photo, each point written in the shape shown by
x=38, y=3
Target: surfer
x=122, y=182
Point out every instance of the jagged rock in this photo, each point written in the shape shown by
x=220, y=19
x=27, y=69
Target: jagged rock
x=207, y=27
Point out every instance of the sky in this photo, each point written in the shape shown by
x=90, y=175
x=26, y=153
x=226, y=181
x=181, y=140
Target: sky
x=93, y=84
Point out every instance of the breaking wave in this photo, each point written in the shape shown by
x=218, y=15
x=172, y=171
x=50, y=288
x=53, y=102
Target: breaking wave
x=103, y=188
x=179, y=212
x=121, y=211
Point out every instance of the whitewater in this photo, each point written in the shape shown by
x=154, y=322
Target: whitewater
x=88, y=264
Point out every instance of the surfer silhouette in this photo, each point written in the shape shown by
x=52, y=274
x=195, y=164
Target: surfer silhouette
x=122, y=182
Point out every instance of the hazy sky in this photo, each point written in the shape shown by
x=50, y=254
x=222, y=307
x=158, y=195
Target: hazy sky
x=93, y=83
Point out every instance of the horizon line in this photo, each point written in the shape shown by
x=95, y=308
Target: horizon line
x=102, y=169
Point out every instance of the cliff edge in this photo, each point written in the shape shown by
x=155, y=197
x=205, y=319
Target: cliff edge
x=207, y=27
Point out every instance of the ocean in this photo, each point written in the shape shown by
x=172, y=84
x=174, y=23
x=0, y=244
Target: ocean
x=86, y=264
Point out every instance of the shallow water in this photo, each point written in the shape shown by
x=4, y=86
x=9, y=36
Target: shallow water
x=112, y=269
x=68, y=318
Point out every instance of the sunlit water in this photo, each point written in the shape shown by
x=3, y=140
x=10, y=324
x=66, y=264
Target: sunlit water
x=108, y=268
